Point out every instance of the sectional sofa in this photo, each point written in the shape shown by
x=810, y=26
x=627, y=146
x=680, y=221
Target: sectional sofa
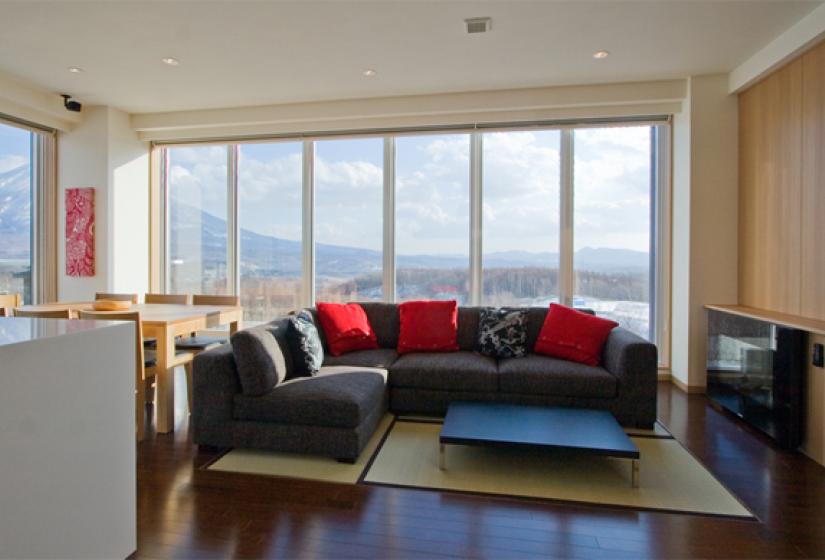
x=336, y=412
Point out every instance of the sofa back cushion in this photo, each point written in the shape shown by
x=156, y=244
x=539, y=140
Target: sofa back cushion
x=384, y=318
x=468, y=327
x=262, y=357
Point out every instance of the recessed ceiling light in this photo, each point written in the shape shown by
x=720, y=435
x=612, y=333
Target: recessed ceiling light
x=168, y=60
x=75, y=69
x=369, y=72
x=598, y=55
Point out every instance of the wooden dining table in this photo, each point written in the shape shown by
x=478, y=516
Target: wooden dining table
x=164, y=322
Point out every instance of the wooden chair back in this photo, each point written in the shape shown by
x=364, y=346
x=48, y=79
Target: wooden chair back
x=117, y=297
x=44, y=313
x=140, y=370
x=216, y=300
x=178, y=299
x=10, y=300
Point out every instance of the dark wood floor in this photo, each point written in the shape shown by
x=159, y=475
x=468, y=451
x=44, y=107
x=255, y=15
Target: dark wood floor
x=184, y=512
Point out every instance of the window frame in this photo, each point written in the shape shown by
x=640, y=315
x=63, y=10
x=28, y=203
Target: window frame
x=660, y=238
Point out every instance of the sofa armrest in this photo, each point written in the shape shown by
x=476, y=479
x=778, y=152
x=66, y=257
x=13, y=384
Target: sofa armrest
x=215, y=383
x=634, y=362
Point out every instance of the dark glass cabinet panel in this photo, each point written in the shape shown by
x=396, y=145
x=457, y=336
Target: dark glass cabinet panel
x=755, y=371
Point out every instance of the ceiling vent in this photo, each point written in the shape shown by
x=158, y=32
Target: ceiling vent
x=479, y=24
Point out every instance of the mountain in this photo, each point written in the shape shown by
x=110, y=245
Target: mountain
x=205, y=233
x=15, y=213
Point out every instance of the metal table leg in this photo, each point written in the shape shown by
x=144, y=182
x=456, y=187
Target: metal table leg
x=442, y=460
x=634, y=466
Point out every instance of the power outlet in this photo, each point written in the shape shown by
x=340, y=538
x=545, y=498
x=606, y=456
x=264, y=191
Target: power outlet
x=819, y=355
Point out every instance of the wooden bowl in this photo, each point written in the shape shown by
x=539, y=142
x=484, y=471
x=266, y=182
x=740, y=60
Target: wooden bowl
x=111, y=305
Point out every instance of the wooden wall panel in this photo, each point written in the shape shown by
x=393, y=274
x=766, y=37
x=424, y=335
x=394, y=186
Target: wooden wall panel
x=770, y=200
x=812, y=276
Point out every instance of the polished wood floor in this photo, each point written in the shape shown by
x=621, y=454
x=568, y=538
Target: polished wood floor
x=184, y=512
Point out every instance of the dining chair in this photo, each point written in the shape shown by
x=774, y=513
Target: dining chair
x=197, y=344
x=44, y=313
x=9, y=302
x=117, y=297
x=144, y=367
x=176, y=299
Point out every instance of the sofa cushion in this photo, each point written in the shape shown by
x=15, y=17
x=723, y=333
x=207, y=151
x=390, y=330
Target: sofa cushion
x=378, y=358
x=428, y=326
x=346, y=327
x=502, y=332
x=573, y=335
x=454, y=371
x=542, y=375
x=339, y=397
x=259, y=358
x=305, y=345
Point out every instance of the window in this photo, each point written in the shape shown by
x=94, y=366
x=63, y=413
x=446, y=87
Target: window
x=520, y=218
x=349, y=189
x=432, y=223
x=270, y=221
x=612, y=224
x=493, y=217
x=16, y=211
x=197, y=229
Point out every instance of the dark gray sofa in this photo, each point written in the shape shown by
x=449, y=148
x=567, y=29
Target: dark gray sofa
x=336, y=412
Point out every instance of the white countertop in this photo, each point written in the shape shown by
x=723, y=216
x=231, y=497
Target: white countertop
x=16, y=330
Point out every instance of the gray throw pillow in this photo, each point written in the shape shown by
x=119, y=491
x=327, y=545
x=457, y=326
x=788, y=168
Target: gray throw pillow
x=502, y=333
x=260, y=361
x=305, y=344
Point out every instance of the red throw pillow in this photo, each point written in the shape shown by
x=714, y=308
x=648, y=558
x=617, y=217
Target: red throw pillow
x=346, y=327
x=573, y=335
x=428, y=326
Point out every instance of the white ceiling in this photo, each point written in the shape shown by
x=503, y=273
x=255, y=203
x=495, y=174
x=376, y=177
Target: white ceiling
x=238, y=53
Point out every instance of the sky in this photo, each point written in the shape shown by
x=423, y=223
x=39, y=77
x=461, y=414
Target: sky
x=520, y=189
x=14, y=147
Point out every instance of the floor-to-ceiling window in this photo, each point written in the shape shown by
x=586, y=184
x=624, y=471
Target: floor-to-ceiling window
x=270, y=224
x=432, y=217
x=612, y=224
x=520, y=218
x=349, y=187
x=196, y=188
x=16, y=211
x=515, y=217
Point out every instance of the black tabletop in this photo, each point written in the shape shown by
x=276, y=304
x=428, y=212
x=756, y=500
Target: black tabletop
x=511, y=425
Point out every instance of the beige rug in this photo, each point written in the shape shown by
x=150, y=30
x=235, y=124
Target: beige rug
x=671, y=478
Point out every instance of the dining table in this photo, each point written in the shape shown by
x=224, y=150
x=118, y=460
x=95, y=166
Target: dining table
x=165, y=322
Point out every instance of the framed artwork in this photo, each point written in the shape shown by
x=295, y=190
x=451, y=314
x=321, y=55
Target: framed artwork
x=80, y=232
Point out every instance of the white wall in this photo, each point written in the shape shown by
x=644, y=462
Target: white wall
x=103, y=152
x=705, y=219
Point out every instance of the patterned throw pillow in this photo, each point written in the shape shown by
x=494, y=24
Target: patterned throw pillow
x=305, y=343
x=502, y=333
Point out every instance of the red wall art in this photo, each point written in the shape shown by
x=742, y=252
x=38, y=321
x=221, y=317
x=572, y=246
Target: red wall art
x=80, y=232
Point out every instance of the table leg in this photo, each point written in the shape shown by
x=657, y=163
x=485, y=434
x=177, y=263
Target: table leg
x=165, y=384
x=442, y=459
x=634, y=466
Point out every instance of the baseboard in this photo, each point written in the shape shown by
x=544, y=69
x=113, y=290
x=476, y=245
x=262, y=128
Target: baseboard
x=689, y=389
x=663, y=374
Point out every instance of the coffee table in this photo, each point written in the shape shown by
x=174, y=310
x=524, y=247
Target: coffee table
x=590, y=432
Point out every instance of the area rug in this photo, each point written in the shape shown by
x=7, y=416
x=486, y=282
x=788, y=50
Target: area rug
x=404, y=453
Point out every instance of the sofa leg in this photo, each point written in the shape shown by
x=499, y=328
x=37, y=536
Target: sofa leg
x=346, y=461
